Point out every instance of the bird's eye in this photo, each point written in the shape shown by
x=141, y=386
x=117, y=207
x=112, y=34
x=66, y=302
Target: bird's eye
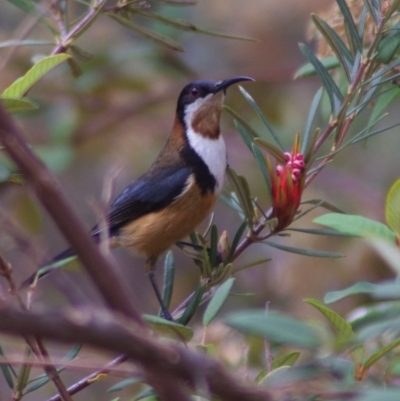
x=194, y=92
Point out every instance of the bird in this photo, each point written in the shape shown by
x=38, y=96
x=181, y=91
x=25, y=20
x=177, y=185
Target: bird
x=177, y=192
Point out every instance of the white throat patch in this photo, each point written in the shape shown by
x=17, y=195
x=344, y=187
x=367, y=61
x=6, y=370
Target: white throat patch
x=212, y=151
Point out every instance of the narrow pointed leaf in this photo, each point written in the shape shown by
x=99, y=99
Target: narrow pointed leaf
x=26, y=42
x=250, y=265
x=242, y=121
x=217, y=301
x=148, y=34
x=169, y=275
x=14, y=105
x=286, y=360
x=336, y=44
x=374, y=9
x=124, y=384
x=383, y=102
x=342, y=328
x=321, y=231
x=168, y=328
x=310, y=119
x=356, y=225
x=262, y=165
x=271, y=149
x=260, y=114
x=235, y=242
x=351, y=29
x=273, y=326
x=246, y=136
x=229, y=201
x=193, y=304
x=373, y=133
x=5, y=368
x=379, y=354
x=392, y=210
x=384, y=290
x=187, y=26
x=328, y=83
x=22, y=85
x=306, y=252
x=308, y=69
x=241, y=188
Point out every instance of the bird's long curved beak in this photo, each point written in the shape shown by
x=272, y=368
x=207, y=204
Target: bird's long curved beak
x=222, y=85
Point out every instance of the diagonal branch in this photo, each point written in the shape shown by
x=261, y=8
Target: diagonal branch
x=103, y=273
x=114, y=332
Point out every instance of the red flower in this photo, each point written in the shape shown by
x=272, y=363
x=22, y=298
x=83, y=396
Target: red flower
x=287, y=184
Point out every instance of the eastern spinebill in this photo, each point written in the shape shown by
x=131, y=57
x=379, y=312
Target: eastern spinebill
x=180, y=188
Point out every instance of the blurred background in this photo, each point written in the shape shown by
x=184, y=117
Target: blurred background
x=116, y=117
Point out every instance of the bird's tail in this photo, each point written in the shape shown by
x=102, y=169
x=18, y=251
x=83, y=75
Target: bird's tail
x=59, y=261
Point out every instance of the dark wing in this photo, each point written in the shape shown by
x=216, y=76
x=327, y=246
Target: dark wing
x=149, y=193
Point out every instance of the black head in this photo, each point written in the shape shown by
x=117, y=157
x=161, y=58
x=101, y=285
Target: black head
x=203, y=88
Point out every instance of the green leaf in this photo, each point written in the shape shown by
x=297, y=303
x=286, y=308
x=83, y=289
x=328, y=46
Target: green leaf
x=389, y=45
x=392, y=209
x=169, y=274
x=179, y=2
x=155, y=37
x=242, y=190
x=124, y=383
x=25, y=371
x=351, y=29
x=246, y=136
x=286, y=360
x=193, y=304
x=187, y=26
x=305, y=252
x=24, y=5
x=235, y=242
x=271, y=149
x=374, y=9
x=326, y=205
x=241, y=120
x=343, y=329
x=328, y=83
x=382, y=290
x=7, y=370
x=13, y=105
x=260, y=159
x=308, y=69
x=275, y=327
x=316, y=231
x=336, y=44
x=43, y=379
x=368, y=135
x=252, y=264
x=260, y=114
x=25, y=42
x=217, y=301
x=311, y=115
x=167, y=328
x=355, y=225
x=213, y=245
x=23, y=84
x=383, y=102
x=379, y=354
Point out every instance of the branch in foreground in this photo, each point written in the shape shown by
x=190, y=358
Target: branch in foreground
x=169, y=361
x=102, y=272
